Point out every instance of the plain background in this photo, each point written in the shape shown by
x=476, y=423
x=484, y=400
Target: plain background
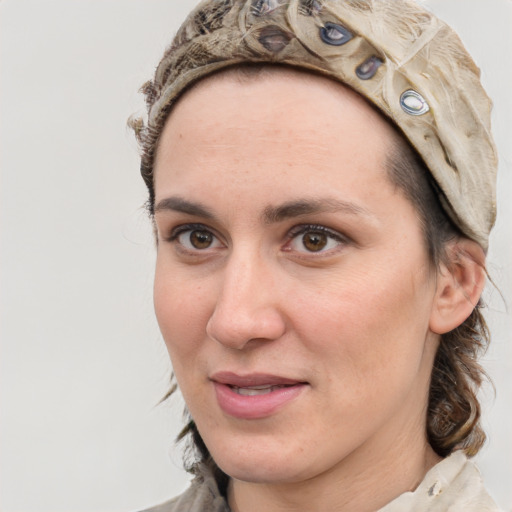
x=82, y=363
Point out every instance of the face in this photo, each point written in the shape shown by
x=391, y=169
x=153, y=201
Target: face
x=292, y=287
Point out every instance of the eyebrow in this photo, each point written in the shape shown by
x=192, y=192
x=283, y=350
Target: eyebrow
x=271, y=214
x=178, y=204
x=293, y=209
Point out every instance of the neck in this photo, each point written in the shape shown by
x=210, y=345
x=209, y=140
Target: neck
x=362, y=481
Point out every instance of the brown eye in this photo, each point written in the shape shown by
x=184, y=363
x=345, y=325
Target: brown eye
x=196, y=239
x=201, y=239
x=308, y=239
x=314, y=241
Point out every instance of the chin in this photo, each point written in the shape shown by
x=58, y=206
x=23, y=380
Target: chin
x=255, y=472
x=259, y=464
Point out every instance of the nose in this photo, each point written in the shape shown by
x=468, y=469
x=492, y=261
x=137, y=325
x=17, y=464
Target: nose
x=247, y=308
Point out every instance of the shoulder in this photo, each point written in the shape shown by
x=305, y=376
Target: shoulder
x=202, y=496
x=454, y=484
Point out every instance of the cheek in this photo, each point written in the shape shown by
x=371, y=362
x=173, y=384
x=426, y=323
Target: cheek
x=372, y=322
x=182, y=311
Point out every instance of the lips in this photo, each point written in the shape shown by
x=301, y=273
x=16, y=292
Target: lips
x=254, y=396
x=252, y=380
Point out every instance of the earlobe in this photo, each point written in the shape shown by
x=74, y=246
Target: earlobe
x=459, y=286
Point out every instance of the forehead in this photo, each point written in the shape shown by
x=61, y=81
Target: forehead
x=275, y=96
x=274, y=117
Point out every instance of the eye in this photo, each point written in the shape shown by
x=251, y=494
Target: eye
x=315, y=239
x=195, y=238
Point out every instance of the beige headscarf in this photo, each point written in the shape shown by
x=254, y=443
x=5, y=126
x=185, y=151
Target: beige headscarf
x=403, y=59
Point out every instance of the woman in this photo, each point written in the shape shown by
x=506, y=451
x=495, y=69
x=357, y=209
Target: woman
x=322, y=181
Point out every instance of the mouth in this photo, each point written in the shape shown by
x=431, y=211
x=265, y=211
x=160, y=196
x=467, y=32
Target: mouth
x=254, y=396
x=257, y=390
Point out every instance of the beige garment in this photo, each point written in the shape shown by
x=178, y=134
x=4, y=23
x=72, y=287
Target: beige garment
x=453, y=485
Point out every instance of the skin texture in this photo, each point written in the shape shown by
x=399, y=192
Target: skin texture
x=358, y=322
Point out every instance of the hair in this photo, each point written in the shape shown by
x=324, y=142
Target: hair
x=453, y=412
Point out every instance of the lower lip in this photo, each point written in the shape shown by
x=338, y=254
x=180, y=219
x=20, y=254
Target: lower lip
x=256, y=406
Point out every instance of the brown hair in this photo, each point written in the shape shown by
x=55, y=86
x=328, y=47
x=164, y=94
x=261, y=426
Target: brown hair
x=453, y=414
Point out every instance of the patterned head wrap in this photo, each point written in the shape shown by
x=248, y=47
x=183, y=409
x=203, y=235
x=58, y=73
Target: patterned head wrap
x=404, y=60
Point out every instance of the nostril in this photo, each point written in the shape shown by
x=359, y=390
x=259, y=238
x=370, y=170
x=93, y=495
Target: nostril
x=236, y=328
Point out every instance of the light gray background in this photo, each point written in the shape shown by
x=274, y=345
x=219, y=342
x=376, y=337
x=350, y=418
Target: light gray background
x=82, y=363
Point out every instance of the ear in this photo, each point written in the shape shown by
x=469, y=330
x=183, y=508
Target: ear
x=459, y=285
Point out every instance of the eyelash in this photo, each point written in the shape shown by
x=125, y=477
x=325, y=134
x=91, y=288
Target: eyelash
x=184, y=228
x=316, y=228
x=291, y=235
